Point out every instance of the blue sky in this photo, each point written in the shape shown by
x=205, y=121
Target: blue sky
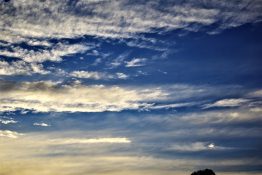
x=130, y=87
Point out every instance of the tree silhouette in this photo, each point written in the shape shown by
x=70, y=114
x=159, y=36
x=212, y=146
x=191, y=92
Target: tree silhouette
x=204, y=172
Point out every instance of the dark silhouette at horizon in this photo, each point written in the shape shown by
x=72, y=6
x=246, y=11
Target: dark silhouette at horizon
x=204, y=172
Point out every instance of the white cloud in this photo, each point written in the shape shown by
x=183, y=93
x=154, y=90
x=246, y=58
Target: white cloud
x=91, y=140
x=34, y=42
x=211, y=146
x=31, y=60
x=7, y=121
x=20, y=68
x=169, y=106
x=41, y=124
x=228, y=103
x=57, y=19
x=198, y=146
x=121, y=75
x=136, y=62
x=257, y=109
x=98, y=75
x=257, y=93
x=220, y=117
x=9, y=134
x=120, y=60
x=54, y=54
x=147, y=43
x=87, y=74
x=46, y=96
x=194, y=147
x=50, y=96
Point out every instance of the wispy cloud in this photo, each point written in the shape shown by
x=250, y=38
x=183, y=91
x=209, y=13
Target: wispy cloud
x=21, y=68
x=256, y=109
x=136, y=62
x=7, y=121
x=54, y=54
x=169, y=106
x=30, y=60
x=46, y=97
x=227, y=103
x=121, y=75
x=91, y=140
x=222, y=117
x=88, y=75
x=41, y=124
x=256, y=93
x=194, y=147
x=120, y=60
x=98, y=75
x=118, y=18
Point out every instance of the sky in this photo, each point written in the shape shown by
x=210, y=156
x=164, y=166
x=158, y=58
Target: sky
x=110, y=87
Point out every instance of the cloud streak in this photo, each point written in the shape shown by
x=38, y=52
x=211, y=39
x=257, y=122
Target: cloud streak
x=91, y=141
x=58, y=19
x=97, y=75
x=54, y=54
x=46, y=97
x=136, y=62
x=118, y=19
x=41, y=124
x=227, y=103
x=195, y=147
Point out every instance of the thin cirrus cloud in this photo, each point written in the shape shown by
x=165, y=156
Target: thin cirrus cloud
x=54, y=54
x=46, y=97
x=195, y=147
x=31, y=60
x=256, y=93
x=68, y=140
x=116, y=19
x=170, y=106
x=41, y=124
x=97, y=75
x=222, y=117
x=91, y=141
x=136, y=62
x=227, y=103
x=88, y=75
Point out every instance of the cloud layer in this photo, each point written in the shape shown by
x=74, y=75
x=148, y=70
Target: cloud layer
x=41, y=19
x=46, y=97
x=37, y=22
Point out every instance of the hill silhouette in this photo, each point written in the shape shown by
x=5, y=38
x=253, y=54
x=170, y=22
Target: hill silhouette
x=204, y=172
